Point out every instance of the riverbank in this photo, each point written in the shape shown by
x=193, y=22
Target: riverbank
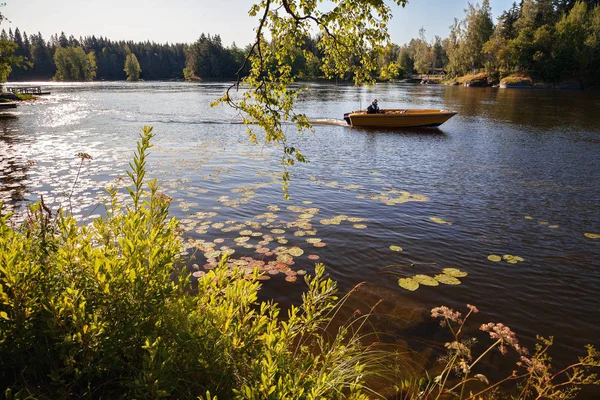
x=514, y=81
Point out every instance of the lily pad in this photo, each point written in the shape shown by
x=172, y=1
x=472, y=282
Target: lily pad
x=509, y=258
x=396, y=248
x=447, y=279
x=440, y=221
x=592, y=235
x=296, y=251
x=277, y=231
x=313, y=257
x=455, y=272
x=359, y=226
x=426, y=280
x=494, y=258
x=408, y=284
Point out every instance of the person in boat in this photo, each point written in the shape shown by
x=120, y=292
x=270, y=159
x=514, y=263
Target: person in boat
x=373, y=108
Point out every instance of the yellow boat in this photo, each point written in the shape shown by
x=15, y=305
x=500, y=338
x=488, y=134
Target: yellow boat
x=399, y=118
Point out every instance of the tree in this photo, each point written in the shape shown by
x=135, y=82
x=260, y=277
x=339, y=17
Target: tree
x=353, y=33
x=132, y=67
x=72, y=64
x=423, y=54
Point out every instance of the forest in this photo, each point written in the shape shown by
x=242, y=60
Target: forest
x=548, y=40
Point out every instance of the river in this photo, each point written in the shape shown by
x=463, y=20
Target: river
x=516, y=172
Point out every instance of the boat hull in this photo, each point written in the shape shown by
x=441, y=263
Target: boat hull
x=399, y=118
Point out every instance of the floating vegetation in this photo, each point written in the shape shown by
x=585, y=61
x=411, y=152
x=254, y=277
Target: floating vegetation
x=439, y=221
x=494, y=258
x=396, y=248
x=313, y=240
x=447, y=279
x=296, y=251
x=313, y=257
x=408, y=284
x=592, y=235
x=359, y=226
x=455, y=272
x=528, y=217
x=277, y=231
x=426, y=280
x=509, y=258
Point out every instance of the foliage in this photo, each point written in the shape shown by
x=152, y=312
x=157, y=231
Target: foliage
x=533, y=374
x=72, y=64
x=132, y=67
x=105, y=311
x=351, y=37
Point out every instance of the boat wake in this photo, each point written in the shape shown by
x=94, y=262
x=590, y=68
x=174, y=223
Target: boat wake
x=328, y=121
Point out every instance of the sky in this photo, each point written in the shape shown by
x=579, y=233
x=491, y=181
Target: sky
x=182, y=21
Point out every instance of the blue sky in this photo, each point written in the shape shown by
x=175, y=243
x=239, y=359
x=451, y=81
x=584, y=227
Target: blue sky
x=184, y=20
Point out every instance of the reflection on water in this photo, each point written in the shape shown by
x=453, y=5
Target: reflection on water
x=514, y=173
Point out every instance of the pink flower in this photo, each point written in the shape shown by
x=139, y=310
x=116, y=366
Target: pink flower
x=447, y=314
x=503, y=333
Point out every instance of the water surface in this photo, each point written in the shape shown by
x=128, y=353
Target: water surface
x=515, y=172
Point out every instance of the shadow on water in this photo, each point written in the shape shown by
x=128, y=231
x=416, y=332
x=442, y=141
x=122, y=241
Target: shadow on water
x=13, y=167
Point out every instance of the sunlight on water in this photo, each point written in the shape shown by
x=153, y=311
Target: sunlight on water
x=372, y=205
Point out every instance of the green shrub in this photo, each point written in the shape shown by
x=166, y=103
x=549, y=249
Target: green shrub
x=105, y=311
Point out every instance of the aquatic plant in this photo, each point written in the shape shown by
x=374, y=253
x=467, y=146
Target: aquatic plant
x=533, y=374
x=105, y=311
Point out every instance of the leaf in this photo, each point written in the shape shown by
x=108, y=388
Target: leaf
x=408, y=284
x=440, y=221
x=426, y=280
x=396, y=248
x=455, y=272
x=494, y=258
x=296, y=251
x=592, y=235
x=447, y=279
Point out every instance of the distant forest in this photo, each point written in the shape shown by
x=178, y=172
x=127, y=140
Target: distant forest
x=551, y=40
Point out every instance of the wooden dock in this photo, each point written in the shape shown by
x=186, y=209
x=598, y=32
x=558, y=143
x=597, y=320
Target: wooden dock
x=34, y=90
x=5, y=106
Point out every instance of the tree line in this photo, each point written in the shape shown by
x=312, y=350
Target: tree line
x=552, y=40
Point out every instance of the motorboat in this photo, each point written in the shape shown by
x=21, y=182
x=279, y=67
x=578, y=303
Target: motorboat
x=399, y=118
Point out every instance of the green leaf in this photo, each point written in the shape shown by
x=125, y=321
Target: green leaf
x=408, y=284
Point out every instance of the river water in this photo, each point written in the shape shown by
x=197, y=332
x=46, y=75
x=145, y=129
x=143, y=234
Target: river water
x=516, y=172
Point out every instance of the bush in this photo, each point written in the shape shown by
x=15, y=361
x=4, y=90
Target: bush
x=105, y=311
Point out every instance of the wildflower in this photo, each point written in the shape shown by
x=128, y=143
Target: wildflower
x=473, y=309
x=84, y=156
x=447, y=314
x=507, y=337
x=460, y=348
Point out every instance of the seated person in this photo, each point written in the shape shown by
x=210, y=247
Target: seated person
x=373, y=108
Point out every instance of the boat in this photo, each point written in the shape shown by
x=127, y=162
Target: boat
x=399, y=118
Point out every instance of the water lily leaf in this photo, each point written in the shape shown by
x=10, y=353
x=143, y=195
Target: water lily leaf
x=408, y=284
x=494, y=258
x=277, y=231
x=440, y=221
x=396, y=248
x=455, y=272
x=426, y=280
x=528, y=217
x=313, y=257
x=359, y=226
x=592, y=235
x=301, y=272
x=509, y=258
x=313, y=240
x=241, y=239
x=291, y=279
x=307, y=202
x=296, y=251
x=447, y=279
x=246, y=232
x=320, y=244
x=218, y=225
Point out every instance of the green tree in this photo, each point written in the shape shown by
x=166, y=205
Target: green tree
x=352, y=36
x=72, y=64
x=423, y=54
x=132, y=67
